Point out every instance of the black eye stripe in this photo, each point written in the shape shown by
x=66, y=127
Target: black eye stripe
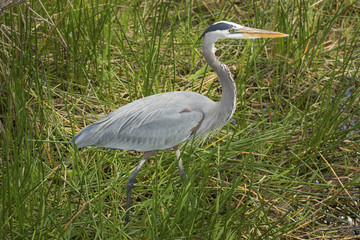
x=218, y=26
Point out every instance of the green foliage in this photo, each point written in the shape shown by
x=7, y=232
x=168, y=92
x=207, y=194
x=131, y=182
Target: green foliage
x=287, y=169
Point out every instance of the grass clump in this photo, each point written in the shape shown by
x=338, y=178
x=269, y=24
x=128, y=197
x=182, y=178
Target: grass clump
x=287, y=167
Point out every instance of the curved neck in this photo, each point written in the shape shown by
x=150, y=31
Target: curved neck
x=227, y=102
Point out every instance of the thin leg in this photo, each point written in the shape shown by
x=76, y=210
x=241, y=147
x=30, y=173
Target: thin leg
x=181, y=167
x=180, y=163
x=130, y=183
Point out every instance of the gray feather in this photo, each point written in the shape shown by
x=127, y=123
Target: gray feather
x=153, y=123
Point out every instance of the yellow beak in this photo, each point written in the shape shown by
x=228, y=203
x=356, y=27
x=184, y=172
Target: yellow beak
x=258, y=33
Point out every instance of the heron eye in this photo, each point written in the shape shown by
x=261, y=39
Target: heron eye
x=231, y=30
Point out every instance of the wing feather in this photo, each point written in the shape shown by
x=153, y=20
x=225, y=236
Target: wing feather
x=142, y=126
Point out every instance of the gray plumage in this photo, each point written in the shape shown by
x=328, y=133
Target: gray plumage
x=144, y=125
x=164, y=121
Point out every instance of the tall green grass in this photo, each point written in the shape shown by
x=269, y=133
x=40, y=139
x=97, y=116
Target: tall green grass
x=287, y=167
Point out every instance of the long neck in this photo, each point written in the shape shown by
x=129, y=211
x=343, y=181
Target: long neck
x=227, y=102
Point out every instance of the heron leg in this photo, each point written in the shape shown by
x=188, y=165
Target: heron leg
x=181, y=167
x=180, y=163
x=130, y=183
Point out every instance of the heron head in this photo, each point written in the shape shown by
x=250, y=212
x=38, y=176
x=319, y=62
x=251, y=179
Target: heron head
x=224, y=29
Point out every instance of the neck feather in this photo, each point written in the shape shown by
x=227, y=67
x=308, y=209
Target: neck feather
x=227, y=102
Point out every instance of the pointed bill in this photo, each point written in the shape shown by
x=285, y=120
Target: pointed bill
x=257, y=33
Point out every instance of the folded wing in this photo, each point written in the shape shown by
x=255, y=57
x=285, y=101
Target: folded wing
x=142, y=127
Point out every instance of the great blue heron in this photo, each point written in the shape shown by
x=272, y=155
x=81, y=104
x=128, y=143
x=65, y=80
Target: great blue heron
x=165, y=120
